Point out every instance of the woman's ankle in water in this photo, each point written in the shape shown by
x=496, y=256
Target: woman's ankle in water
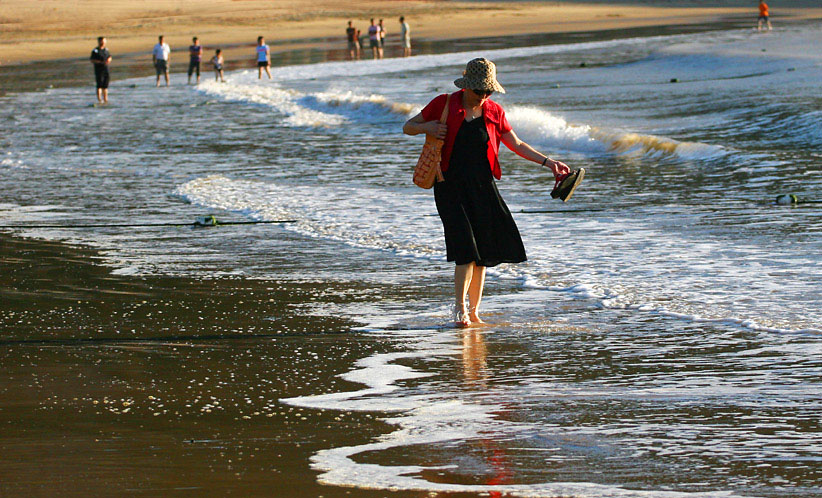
x=473, y=315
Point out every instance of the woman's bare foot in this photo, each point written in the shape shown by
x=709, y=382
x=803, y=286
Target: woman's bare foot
x=474, y=316
x=461, y=319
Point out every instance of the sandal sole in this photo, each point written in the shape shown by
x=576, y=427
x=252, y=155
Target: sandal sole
x=577, y=181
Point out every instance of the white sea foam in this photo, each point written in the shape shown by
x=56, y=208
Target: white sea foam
x=536, y=126
x=242, y=88
x=357, y=222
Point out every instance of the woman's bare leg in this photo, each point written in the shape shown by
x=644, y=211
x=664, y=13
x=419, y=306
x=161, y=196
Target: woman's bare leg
x=475, y=293
x=462, y=282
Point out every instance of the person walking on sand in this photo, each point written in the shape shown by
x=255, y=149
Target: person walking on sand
x=353, y=35
x=161, y=57
x=479, y=229
x=374, y=39
x=764, y=16
x=382, y=38
x=406, y=37
x=263, y=58
x=195, y=55
x=100, y=59
x=217, y=62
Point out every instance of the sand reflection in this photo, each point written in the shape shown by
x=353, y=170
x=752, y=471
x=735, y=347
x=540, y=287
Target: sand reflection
x=474, y=358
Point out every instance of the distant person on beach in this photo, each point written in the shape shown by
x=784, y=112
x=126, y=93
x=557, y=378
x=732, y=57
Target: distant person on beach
x=195, y=55
x=374, y=39
x=263, y=58
x=161, y=57
x=353, y=35
x=382, y=37
x=100, y=59
x=406, y=37
x=764, y=16
x=479, y=229
x=217, y=62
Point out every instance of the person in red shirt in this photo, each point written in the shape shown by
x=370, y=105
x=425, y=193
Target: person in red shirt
x=764, y=16
x=479, y=229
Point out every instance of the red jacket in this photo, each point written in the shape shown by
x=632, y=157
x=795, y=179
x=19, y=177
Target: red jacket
x=495, y=122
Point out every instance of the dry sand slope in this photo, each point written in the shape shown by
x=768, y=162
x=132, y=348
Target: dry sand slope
x=58, y=29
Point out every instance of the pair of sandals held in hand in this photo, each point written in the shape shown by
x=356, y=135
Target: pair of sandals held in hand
x=566, y=184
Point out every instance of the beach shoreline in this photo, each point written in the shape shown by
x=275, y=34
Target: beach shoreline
x=76, y=72
x=132, y=30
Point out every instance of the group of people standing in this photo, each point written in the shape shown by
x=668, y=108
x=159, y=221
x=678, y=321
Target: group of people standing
x=376, y=39
x=161, y=55
x=161, y=58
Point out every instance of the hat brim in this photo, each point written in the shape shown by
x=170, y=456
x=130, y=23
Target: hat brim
x=463, y=82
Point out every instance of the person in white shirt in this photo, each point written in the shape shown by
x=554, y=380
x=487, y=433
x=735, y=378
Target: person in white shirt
x=263, y=58
x=406, y=37
x=161, y=56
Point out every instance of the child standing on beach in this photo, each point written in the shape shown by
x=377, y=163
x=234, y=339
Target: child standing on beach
x=217, y=62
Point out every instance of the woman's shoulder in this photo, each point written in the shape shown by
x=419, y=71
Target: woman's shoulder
x=493, y=111
x=437, y=102
x=439, y=99
x=494, y=107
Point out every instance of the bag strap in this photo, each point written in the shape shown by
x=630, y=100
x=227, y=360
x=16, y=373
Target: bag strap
x=444, y=115
x=443, y=118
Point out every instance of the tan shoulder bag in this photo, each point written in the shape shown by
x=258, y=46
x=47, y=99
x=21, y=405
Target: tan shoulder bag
x=428, y=170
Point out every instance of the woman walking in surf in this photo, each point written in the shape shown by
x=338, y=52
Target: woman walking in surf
x=479, y=229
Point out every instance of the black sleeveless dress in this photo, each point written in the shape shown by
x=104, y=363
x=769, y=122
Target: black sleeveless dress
x=478, y=225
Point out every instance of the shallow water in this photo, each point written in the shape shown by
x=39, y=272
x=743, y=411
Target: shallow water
x=662, y=337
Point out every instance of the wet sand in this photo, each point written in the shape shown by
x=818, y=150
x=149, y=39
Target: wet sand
x=148, y=386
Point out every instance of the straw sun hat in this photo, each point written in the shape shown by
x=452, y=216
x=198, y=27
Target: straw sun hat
x=480, y=74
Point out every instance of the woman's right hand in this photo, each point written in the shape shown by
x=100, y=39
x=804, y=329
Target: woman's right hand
x=436, y=129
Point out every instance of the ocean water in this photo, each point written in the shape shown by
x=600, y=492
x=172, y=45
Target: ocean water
x=663, y=338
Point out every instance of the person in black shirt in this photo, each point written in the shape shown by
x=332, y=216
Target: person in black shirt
x=100, y=58
x=353, y=35
x=195, y=54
